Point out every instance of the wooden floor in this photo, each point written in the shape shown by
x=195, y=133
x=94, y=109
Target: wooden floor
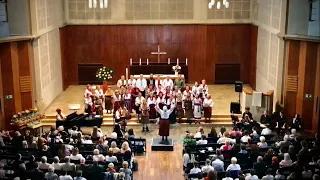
x=157, y=165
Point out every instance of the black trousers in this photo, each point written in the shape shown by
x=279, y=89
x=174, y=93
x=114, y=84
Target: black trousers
x=143, y=93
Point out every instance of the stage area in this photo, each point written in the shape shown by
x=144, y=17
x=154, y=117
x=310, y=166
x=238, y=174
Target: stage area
x=221, y=95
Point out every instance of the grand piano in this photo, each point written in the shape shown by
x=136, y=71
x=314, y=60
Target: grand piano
x=80, y=120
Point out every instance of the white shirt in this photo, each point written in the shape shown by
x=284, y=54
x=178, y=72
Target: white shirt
x=167, y=82
x=139, y=101
x=157, y=82
x=99, y=157
x=118, y=115
x=132, y=83
x=111, y=159
x=185, y=93
x=194, y=90
x=266, y=131
x=204, y=88
x=223, y=140
x=207, y=102
x=161, y=100
x=207, y=168
x=172, y=103
x=141, y=84
x=233, y=167
x=262, y=145
x=195, y=171
x=120, y=82
x=197, y=135
x=152, y=101
x=86, y=141
x=65, y=177
x=98, y=93
x=186, y=159
x=76, y=157
x=87, y=97
x=164, y=114
x=245, y=139
x=127, y=96
x=227, y=178
x=202, y=141
x=57, y=166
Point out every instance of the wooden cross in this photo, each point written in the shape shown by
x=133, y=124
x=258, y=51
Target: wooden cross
x=159, y=53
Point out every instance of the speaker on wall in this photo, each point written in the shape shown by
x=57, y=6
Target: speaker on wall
x=235, y=107
x=238, y=86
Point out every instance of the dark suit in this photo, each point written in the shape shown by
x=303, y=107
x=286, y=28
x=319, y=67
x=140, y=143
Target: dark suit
x=151, y=81
x=265, y=120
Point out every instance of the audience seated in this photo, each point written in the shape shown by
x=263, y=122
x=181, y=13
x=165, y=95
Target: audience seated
x=43, y=164
x=114, y=148
x=286, y=162
x=126, y=170
x=111, y=158
x=207, y=167
x=75, y=154
x=260, y=167
x=246, y=137
x=195, y=169
x=202, y=140
x=199, y=133
x=224, y=138
x=262, y=143
x=211, y=175
x=234, y=166
x=226, y=146
x=50, y=175
x=218, y=155
x=65, y=176
x=213, y=134
x=79, y=176
x=67, y=166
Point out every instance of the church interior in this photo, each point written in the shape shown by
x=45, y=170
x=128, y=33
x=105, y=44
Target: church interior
x=252, y=66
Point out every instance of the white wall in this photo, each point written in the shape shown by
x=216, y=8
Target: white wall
x=314, y=26
x=18, y=17
x=298, y=17
x=47, y=71
x=47, y=68
x=270, y=16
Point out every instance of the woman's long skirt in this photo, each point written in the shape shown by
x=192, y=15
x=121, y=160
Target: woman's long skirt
x=164, y=128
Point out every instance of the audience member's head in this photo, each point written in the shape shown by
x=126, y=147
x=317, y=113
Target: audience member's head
x=286, y=157
x=50, y=169
x=130, y=132
x=125, y=146
x=259, y=159
x=213, y=131
x=114, y=135
x=44, y=159
x=234, y=160
x=223, y=130
x=195, y=164
x=75, y=151
x=262, y=139
x=96, y=152
x=113, y=144
x=274, y=160
x=79, y=173
x=67, y=159
x=212, y=175
x=56, y=159
x=304, y=143
x=125, y=164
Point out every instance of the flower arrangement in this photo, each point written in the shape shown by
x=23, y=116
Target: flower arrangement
x=27, y=116
x=176, y=68
x=104, y=74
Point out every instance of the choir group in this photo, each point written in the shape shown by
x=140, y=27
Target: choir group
x=144, y=96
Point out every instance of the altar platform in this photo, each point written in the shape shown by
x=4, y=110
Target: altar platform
x=221, y=95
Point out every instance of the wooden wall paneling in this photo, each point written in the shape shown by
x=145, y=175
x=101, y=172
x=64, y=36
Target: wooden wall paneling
x=292, y=67
x=309, y=81
x=15, y=75
x=114, y=45
x=253, y=56
x=301, y=75
x=25, y=80
x=7, y=81
x=316, y=110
